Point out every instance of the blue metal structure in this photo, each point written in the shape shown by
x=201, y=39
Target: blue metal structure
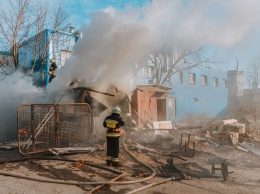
x=35, y=53
x=4, y=53
x=200, y=90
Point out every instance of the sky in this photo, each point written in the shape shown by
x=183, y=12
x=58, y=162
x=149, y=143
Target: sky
x=229, y=28
x=80, y=10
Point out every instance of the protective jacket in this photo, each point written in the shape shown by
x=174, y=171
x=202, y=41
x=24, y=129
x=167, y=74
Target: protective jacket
x=113, y=123
x=51, y=71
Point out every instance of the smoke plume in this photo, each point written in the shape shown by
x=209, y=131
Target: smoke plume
x=117, y=41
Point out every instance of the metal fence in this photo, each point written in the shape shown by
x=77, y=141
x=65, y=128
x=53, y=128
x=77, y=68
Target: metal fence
x=44, y=126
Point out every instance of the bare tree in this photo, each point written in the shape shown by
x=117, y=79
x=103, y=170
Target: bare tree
x=55, y=20
x=22, y=22
x=52, y=21
x=253, y=74
x=14, y=25
x=165, y=64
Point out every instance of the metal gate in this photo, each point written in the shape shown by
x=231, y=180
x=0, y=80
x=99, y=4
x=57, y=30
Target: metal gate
x=44, y=126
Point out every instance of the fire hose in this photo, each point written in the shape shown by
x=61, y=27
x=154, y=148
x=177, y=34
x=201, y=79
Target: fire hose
x=76, y=182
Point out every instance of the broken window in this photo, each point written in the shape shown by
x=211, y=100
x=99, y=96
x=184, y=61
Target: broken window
x=224, y=83
x=215, y=82
x=204, y=80
x=192, y=78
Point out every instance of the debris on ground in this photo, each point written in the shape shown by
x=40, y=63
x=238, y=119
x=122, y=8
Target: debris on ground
x=70, y=150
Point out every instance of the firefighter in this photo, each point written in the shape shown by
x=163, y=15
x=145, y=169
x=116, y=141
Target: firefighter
x=113, y=123
x=52, y=68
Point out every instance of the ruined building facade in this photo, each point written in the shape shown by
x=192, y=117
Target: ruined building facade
x=235, y=92
x=242, y=103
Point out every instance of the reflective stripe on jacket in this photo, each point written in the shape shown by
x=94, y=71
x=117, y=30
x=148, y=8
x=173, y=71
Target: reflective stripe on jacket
x=114, y=132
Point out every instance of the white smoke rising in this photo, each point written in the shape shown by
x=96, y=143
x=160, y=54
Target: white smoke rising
x=17, y=89
x=116, y=40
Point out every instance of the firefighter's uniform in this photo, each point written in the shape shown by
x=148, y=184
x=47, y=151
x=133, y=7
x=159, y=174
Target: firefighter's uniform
x=52, y=69
x=113, y=123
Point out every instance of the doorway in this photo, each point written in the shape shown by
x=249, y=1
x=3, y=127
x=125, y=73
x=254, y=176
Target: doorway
x=161, y=109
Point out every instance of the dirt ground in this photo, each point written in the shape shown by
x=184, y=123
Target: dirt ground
x=244, y=179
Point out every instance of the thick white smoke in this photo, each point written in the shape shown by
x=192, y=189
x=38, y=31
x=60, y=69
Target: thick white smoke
x=17, y=89
x=117, y=40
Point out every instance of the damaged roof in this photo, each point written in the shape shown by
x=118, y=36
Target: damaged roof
x=154, y=87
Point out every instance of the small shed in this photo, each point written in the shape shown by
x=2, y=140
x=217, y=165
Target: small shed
x=149, y=102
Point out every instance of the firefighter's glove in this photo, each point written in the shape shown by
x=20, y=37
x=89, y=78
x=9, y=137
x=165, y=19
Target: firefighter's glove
x=119, y=130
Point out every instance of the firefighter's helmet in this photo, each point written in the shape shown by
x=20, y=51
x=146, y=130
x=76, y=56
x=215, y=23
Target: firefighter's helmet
x=116, y=110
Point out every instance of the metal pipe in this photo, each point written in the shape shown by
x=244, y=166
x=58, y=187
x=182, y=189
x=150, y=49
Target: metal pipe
x=100, y=92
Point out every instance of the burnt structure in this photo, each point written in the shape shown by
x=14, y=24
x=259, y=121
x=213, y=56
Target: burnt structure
x=83, y=95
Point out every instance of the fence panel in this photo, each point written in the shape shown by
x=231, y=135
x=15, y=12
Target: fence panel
x=44, y=126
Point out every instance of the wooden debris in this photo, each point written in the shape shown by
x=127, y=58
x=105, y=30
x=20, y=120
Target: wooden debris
x=58, y=151
x=241, y=148
x=100, y=186
x=250, y=148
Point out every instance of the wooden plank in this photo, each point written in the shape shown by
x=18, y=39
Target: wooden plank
x=100, y=186
x=250, y=148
